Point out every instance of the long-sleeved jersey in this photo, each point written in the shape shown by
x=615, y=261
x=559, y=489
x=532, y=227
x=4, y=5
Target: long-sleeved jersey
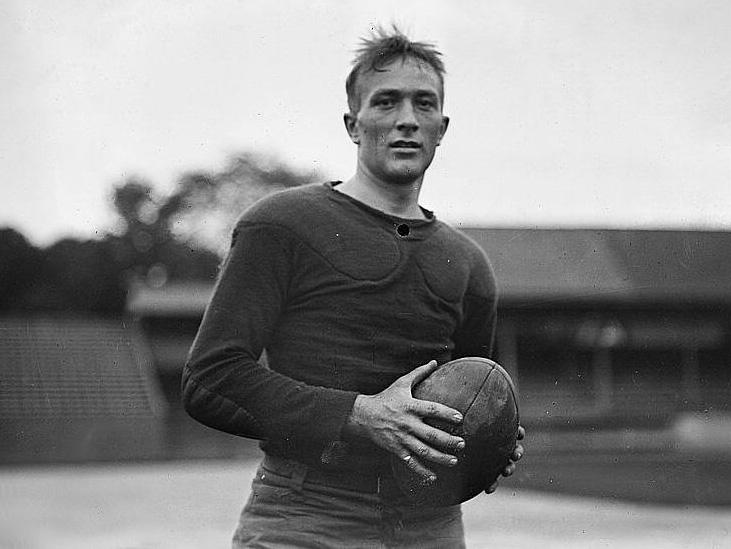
x=345, y=299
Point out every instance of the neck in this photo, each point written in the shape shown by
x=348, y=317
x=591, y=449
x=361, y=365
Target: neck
x=397, y=199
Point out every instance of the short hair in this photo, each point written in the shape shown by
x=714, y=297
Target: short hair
x=381, y=49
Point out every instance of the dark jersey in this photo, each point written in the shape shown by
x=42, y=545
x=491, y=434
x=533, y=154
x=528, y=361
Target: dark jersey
x=345, y=299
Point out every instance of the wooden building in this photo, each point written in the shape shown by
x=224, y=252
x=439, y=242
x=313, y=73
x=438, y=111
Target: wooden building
x=614, y=326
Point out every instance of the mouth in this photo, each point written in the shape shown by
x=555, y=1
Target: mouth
x=405, y=144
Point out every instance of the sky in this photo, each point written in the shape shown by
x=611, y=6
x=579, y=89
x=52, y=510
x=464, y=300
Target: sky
x=569, y=113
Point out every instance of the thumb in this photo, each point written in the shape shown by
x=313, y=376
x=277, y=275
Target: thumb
x=421, y=373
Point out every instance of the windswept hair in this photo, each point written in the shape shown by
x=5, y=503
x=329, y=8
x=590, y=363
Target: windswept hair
x=382, y=48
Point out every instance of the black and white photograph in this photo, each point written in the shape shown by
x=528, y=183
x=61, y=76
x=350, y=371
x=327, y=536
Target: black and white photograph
x=344, y=274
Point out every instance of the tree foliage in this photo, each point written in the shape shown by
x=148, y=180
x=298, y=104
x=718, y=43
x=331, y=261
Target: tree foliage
x=178, y=235
x=205, y=204
x=145, y=248
x=20, y=263
x=71, y=275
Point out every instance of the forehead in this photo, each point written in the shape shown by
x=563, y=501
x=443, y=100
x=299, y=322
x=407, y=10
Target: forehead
x=407, y=74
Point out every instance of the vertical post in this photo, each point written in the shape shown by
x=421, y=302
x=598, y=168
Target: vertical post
x=603, y=379
x=507, y=342
x=691, y=377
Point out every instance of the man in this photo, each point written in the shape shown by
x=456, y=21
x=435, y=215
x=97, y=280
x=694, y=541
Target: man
x=356, y=293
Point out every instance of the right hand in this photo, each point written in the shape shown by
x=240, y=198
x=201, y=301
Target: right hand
x=394, y=420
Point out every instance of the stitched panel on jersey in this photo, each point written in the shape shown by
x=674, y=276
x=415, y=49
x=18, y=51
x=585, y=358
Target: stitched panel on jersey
x=445, y=272
x=346, y=250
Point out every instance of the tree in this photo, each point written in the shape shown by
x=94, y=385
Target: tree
x=80, y=275
x=20, y=267
x=70, y=275
x=176, y=236
x=146, y=249
x=205, y=205
x=182, y=235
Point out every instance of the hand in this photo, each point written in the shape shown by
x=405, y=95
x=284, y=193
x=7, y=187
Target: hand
x=394, y=420
x=510, y=467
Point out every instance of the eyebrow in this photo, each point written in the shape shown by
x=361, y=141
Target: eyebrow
x=394, y=91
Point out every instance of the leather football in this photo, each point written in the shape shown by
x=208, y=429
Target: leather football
x=485, y=395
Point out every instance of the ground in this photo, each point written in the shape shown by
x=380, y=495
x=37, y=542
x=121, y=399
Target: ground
x=194, y=505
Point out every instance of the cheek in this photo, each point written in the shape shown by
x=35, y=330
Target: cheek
x=377, y=136
x=376, y=131
x=434, y=129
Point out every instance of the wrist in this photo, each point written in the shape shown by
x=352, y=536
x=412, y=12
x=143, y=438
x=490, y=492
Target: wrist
x=354, y=426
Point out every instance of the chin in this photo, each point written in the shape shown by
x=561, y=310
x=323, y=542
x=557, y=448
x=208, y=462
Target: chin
x=403, y=178
x=405, y=175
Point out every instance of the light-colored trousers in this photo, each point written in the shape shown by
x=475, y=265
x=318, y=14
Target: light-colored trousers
x=285, y=513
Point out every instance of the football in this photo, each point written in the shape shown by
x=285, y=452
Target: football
x=485, y=395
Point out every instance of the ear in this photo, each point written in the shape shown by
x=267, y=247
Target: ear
x=445, y=125
x=351, y=126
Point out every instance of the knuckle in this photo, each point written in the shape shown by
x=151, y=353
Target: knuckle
x=431, y=437
x=410, y=406
x=426, y=408
x=406, y=427
x=414, y=465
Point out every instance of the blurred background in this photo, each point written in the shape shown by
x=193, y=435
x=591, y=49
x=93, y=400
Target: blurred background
x=589, y=154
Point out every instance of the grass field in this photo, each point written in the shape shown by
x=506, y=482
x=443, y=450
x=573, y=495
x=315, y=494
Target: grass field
x=195, y=505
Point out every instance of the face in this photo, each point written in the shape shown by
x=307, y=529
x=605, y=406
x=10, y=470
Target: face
x=399, y=123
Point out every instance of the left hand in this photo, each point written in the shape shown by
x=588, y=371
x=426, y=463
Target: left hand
x=510, y=467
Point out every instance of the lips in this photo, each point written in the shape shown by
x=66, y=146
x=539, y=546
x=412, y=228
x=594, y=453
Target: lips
x=404, y=144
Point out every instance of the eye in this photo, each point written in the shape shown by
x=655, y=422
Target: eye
x=384, y=102
x=426, y=103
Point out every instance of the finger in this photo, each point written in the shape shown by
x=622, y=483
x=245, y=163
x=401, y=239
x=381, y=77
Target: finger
x=521, y=432
x=419, y=374
x=436, y=438
x=416, y=466
x=517, y=452
x=509, y=469
x=426, y=453
x=490, y=489
x=436, y=410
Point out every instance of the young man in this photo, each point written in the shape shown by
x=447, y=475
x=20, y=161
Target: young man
x=356, y=293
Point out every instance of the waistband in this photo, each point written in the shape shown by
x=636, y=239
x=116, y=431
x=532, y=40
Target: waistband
x=379, y=482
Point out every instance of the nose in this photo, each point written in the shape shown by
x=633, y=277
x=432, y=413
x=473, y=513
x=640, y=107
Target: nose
x=406, y=120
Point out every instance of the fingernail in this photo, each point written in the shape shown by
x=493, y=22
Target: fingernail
x=453, y=462
x=460, y=445
x=458, y=417
x=431, y=479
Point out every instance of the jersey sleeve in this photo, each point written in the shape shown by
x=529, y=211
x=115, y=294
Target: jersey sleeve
x=224, y=384
x=476, y=333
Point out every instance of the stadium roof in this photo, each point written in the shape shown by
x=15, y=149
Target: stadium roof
x=628, y=266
